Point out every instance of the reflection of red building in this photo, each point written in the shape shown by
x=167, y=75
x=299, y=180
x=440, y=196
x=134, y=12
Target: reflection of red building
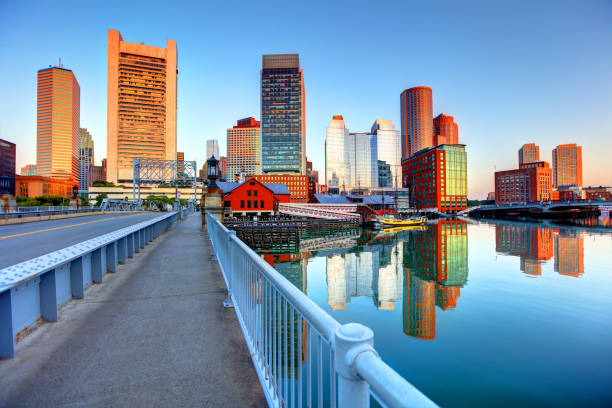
x=446, y=296
x=421, y=305
x=569, y=254
x=531, y=244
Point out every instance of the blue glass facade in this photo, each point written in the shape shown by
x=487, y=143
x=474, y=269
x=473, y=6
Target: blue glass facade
x=282, y=115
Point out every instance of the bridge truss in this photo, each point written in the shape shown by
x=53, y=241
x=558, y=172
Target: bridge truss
x=154, y=171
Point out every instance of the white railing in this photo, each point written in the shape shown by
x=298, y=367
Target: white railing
x=32, y=291
x=303, y=357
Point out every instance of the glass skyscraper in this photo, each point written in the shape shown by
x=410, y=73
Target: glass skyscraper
x=283, y=124
x=338, y=150
x=86, y=157
x=365, y=162
x=389, y=149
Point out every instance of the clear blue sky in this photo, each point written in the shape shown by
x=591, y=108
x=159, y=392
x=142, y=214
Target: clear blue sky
x=509, y=72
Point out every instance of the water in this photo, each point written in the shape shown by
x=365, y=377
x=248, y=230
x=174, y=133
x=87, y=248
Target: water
x=477, y=314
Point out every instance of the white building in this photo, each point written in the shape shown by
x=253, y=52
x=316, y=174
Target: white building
x=364, y=162
x=389, y=149
x=339, y=149
x=212, y=149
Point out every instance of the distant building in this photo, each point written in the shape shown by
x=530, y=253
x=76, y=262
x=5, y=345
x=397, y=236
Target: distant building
x=437, y=178
x=529, y=153
x=33, y=186
x=417, y=120
x=86, y=158
x=365, y=163
x=57, y=125
x=445, y=130
x=598, y=193
x=7, y=167
x=97, y=173
x=385, y=178
x=141, y=105
x=339, y=156
x=223, y=167
x=296, y=183
x=389, y=149
x=491, y=196
x=180, y=165
x=570, y=193
x=253, y=197
x=244, y=148
x=212, y=149
x=567, y=165
x=28, y=170
x=313, y=181
x=283, y=115
x=531, y=182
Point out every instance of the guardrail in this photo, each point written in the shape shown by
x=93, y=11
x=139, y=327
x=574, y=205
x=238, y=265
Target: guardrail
x=32, y=291
x=41, y=211
x=302, y=356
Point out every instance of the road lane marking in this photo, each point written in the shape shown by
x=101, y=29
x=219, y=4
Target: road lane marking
x=65, y=226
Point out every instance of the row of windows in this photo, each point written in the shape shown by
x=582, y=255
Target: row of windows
x=254, y=203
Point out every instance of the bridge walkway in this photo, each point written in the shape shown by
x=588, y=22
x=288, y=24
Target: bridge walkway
x=153, y=334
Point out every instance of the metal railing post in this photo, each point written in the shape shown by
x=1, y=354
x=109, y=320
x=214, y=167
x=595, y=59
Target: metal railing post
x=228, y=303
x=351, y=340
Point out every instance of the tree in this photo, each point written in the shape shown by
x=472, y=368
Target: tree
x=99, y=199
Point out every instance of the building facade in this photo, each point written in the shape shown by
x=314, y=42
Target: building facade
x=385, y=178
x=141, y=105
x=529, y=153
x=244, y=148
x=389, y=149
x=598, y=193
x=283, y=115
x=567, y=165
x=8, y=151
x=339, y=155
x=86, y=158
x=364, y=165
x=437, y=178
x=28, y=170
x=34, y=186
x=445, y=130
x=531, y=182
x=417, y=120
x=253, y=197
x=212, y=149
x=57, y=124
x=296, y=183
x=97, y=173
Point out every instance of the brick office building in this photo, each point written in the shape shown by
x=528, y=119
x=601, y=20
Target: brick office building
x=531, y=182
x=296, y=183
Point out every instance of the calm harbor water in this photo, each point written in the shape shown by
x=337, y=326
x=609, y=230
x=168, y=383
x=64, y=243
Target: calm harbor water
x=474, y=313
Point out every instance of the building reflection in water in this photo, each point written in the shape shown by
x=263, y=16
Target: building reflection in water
x=436, y=263
x=535, y=245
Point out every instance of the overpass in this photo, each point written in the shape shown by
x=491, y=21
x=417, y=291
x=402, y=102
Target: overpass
x=133, y=315
x=544, y=207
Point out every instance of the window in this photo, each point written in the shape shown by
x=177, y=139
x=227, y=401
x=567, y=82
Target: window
x=241, y=203
x=255, y=193
x=249, y=193
x=261, y=203
x=254, y=203
x=248, y=203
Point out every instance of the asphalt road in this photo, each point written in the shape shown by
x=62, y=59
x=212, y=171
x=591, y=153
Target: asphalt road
x=20, y=242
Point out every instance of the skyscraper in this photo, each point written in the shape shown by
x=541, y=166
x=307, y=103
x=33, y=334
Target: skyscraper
x=141, y=105
x=212, y=149
x=7, y=167
x=57, y=126
x=365, y=162
x=417, y=120
x=86, y=157
x=339, y=150
x=244, y=148
x=180, y=158
x=283, y=115
x=529, y=153
x=388, y=141
x=445, y=130
x=567, y=165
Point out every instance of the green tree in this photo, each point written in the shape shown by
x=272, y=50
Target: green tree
x=99, y=199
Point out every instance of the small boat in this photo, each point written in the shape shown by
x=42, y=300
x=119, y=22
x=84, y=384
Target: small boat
x=394, y=222
x=392, y=230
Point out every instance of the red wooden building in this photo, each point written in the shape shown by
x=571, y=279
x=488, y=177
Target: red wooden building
x=253, y=197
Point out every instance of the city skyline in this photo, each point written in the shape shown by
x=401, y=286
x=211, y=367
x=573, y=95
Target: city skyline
x=480, y=98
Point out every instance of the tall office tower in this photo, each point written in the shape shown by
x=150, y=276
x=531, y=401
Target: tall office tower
x=212, y=149
x=388, y=140
x=28, y=170
x=244, y=148
x=339, y=151
x=445, y=130
x=364, y=165
x=283, y=115
x=8, y=152
x=57, y=126
x=86, y=157
x=529, y=153
x=141, y=105
x=567, y=165
x=417, y=120
x=180, y=158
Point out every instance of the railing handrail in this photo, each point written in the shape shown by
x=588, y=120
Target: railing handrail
x=359, y=368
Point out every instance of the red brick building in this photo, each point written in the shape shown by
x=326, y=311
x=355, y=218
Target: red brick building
x=34, y=186
x=598, y=193
x=296, y=183
x=531, y=182
x=253, y=197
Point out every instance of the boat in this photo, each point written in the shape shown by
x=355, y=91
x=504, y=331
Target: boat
x=388, y=222
x=393, y=230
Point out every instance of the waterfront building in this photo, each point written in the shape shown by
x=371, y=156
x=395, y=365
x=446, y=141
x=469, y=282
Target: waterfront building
x=283, y=115
x=212, y=149
x=569, y=253
x=385, y=177
x=437, y=178
x=531, y=182
x=598, y=193
x=445, y=130
x=97, y=173
x=570, y=193
x=141, y=105
x=417, y=120
x=339, y=154
x=86, y=158
x=34, y=186
x=364, y=166
x=57, y=123
x=529, y=153
x=296, y=183
x=244, y=148
x=253, y=197
x=28, y=170
x=567, y=165
x=389, y=149
x=8, y=151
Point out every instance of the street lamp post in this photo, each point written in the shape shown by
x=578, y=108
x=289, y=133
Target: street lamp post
x=212, y=197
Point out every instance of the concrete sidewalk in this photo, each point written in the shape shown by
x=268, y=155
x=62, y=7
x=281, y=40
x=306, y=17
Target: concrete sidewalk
x=154, y=334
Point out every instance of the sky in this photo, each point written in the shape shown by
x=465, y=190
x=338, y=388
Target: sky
x=510, y=72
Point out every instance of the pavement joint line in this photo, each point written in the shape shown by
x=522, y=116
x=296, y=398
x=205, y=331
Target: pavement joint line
x=155, y=297
x=65, y=226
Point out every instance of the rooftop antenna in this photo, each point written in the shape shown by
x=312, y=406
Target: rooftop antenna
x=60, y=62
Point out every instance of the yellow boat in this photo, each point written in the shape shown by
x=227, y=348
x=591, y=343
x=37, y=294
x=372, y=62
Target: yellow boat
x=393, y=222
x=391, y=230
